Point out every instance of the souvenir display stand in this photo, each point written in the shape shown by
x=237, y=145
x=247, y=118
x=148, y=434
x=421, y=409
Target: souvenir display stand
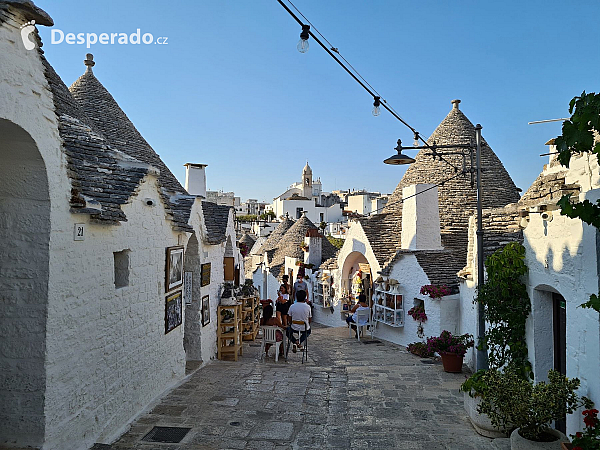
x=321, y=294
x=229, y=331
x=250, y=318
x=388, y=306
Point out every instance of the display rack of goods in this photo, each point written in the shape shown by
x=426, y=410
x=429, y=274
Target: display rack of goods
x=388, y=305
x=229, y=331
x=250, y=318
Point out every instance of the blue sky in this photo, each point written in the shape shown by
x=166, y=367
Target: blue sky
x=230, y=89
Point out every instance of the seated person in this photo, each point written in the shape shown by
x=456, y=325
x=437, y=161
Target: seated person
x=361, y=305
x=299, y=311
x=268, y=320
x=283, y=304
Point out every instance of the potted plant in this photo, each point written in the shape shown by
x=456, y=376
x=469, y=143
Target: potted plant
x=435, y=292
x=589, y=439
x=244, y=250
x=248, y=288
x=512, y=401
x=476, y=388
x=506, y=305
x=451, y=348
x=304, y=246
x=417, y=312
x=420, y=349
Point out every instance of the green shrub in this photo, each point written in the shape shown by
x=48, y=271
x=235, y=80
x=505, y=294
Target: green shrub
x=510, y=400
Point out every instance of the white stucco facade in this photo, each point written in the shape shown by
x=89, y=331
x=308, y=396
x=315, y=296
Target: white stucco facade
x=81, y=356
x=562, y=261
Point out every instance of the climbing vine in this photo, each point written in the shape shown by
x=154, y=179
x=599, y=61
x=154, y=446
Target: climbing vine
x=506, y=308
x=579, y=136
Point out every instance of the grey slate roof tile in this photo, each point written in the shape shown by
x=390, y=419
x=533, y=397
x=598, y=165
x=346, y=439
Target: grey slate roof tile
x=457, y=199
x=216, y=218
x=289, y=245
x=104, y=114
x=97, y=174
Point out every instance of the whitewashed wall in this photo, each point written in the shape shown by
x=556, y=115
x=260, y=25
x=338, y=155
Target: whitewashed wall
x=442, y=314
x=214, y=255
x=330, y=214
x=26, y=102
x=107, y=352
x=562, y=257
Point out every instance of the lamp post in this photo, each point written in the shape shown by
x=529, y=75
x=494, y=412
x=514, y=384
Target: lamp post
x=401, y=159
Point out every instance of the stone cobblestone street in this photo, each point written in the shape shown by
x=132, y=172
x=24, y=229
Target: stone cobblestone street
x=348, y=395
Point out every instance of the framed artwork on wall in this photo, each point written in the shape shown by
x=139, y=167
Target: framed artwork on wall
x=205, y=310
x=187, y=287
x=174, y=268
x=173, y=311
x=205, y=275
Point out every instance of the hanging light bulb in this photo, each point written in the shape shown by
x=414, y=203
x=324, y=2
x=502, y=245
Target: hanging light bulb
x=416, y=139
x=303, y=42
x=376, y=106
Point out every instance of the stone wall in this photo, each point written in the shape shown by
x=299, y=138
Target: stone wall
x=30, y=155
x=107, y=352
x=562, y=258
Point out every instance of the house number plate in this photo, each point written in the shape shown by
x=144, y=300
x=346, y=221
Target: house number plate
x=79, y=232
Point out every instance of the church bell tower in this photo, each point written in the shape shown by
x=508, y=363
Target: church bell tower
x=307, y=181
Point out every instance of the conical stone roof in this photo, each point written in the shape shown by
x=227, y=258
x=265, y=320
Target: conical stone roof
x=457, y=199
x=247, y=239
x=274, y=238
x=108, y=117
x=289, y=245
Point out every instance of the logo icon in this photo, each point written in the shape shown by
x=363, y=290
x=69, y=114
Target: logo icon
x=26, y=30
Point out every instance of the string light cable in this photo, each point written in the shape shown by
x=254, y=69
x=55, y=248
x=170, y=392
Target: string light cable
x=378, y=100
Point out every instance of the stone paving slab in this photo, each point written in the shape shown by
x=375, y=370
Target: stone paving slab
x=348, y=395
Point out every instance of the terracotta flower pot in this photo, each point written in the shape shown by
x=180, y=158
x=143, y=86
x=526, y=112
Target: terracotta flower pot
x=452, y=362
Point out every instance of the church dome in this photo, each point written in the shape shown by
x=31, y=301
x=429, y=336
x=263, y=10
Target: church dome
x=306, y=169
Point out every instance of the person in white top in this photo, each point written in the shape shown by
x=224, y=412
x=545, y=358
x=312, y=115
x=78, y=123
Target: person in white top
x=361, y=305
x=299, y=311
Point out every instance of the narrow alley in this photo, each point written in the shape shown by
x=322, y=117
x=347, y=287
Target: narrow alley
x=349, y=395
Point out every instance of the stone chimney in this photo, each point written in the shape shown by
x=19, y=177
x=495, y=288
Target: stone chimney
x=420, y=218
x=314, y=240
x=195, y=179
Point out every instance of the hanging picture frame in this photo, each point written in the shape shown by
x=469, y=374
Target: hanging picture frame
x=173, y=311
x=174, y=268
x=205, y=310
x=205, y=274
x=188, y=278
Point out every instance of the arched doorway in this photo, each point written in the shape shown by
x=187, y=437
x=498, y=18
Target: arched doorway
x=24, y=271
x=192, y=337
x=350, y=266
x=550, y=335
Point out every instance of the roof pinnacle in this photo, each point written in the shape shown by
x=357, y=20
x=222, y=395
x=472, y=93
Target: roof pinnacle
x=455, y=104
x=89, y=62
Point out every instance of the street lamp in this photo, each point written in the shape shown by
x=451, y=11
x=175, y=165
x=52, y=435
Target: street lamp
x=399, y=158
x=481, y=359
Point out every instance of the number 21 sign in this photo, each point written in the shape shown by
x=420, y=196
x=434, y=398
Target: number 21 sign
x=79, y=232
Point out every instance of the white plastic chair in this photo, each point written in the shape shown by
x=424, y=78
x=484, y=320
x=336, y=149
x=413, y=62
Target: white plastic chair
x=269, y=336
x=363, y=319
